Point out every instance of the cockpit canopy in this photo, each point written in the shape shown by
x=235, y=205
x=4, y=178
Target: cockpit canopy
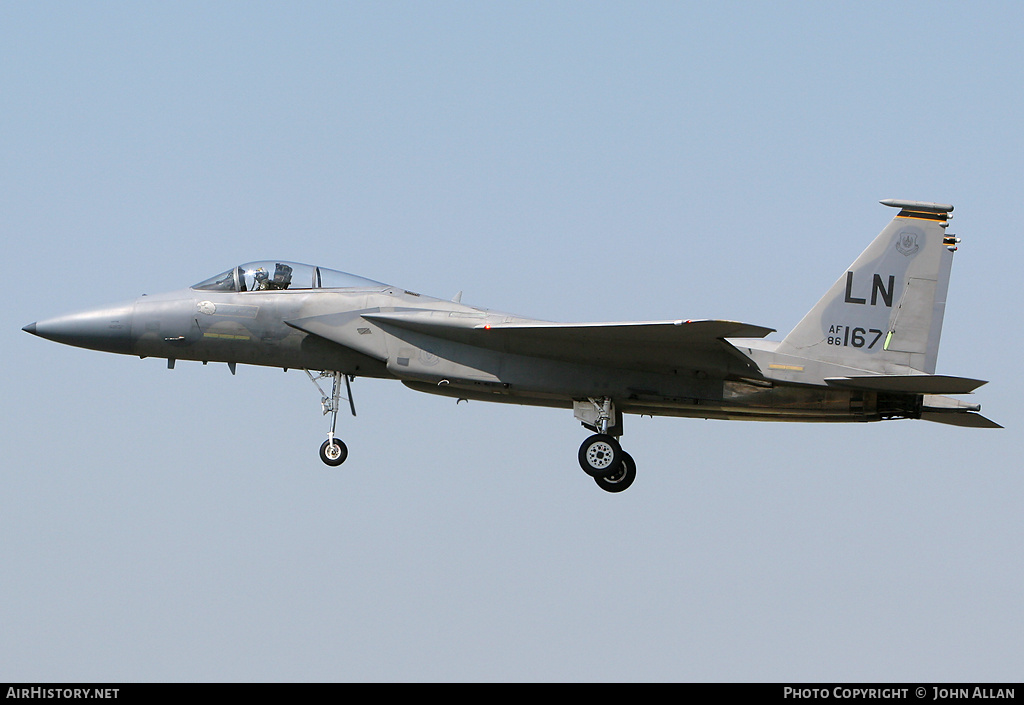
x=273, y=275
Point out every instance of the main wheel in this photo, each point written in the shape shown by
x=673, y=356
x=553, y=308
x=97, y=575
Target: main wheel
x=620, y=479
x=600, y=455
x=335, y=454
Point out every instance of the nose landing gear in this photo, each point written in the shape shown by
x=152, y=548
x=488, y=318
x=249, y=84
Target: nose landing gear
x=333, y=452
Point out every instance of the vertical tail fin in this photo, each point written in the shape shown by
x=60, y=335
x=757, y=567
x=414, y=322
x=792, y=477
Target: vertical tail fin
x=884, y=314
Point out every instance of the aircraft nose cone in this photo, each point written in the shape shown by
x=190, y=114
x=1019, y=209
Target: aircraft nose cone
x=108, y=328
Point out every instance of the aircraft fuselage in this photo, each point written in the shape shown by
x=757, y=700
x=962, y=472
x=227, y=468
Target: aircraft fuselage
x=252, y=328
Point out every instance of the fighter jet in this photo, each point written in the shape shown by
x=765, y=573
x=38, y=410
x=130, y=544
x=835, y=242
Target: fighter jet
x=865, y=352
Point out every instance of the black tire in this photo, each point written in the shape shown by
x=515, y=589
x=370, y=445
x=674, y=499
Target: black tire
x=336, y=458
x=622, y=478
x=600, y=455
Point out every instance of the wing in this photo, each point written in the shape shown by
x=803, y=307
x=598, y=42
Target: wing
x=662, y=346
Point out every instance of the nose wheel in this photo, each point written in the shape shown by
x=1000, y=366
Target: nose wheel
x=333, y=452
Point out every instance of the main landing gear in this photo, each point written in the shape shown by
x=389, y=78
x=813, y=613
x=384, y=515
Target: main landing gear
x=333, y=452
x=600, y=456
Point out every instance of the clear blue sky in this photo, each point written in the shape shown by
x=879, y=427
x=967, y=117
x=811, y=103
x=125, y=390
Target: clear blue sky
x=572, y=161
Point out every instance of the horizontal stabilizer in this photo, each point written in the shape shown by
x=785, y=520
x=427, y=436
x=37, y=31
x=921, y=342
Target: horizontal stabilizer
x=908, y=384
x=959, y=418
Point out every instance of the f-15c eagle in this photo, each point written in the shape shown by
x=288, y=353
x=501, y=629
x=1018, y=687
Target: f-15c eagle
x=865, y=352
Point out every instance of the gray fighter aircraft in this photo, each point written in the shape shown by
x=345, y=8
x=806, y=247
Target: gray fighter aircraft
x=865, y=352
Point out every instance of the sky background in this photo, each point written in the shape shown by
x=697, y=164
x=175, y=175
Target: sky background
x=572, y=161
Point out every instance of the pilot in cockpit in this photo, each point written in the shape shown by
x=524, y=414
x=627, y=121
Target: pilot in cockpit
x=262, y=278
x=281, y=280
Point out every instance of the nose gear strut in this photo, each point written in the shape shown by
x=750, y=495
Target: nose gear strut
x=333, y=451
